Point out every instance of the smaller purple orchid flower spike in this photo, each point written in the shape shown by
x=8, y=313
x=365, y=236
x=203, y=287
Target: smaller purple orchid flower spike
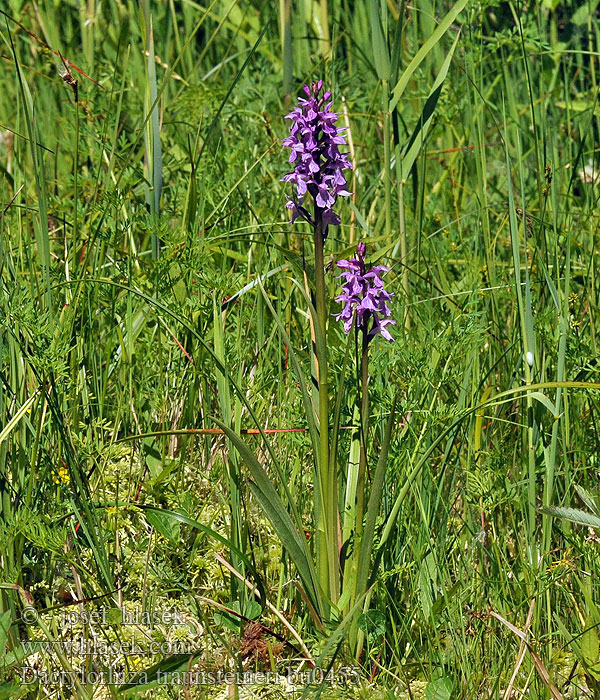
x=314, y=141
x=364, y=296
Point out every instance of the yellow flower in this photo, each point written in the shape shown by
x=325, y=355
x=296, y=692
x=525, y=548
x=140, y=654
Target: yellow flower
x=61, y=476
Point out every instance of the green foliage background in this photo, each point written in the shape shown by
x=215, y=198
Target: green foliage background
x=137, y=212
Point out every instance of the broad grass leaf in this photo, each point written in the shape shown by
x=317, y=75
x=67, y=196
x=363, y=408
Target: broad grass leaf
x=590, y=648
x=573, y=515
x=270, y=501
x=179, y=517
x=588, y=499
x=162, y=523
x=149, y=678
x=428, y=45
x=381, y=54
x=4, y=629
x=439, y=689
x=419, y=134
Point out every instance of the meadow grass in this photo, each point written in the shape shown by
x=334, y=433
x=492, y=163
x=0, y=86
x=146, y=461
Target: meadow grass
x=157, y=334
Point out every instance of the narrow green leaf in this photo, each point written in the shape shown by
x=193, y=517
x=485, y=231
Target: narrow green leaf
x=4, y=628
x=588, y=499
x=339, y=401
x=590, y=646
x=435, y=37
x=154, y=147
x=396, y=54
x=179, y=517
x=381, y=54
x=419, y=134
x=255, y=283
x=544, y=400
x=373, y=506
x=306, y=399
x=166, y=526
x=285, y=11
x=270, y=501
x=149, y=678
x=349, y=515
x=14, y=421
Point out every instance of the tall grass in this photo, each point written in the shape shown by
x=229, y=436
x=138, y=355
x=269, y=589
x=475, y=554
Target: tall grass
x=156, y=345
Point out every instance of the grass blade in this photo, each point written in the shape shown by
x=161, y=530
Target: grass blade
x=428, y=45
x=269, y=499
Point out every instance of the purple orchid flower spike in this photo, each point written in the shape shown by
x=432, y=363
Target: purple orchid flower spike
x=364, y=296
x=314, y=141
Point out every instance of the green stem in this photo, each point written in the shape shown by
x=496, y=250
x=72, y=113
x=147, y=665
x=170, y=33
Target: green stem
x=387, y=157
x=329, y=574
x=76, y=191
x=326, y=38
x=403, y=253
x=364, y=422
x=362, y=468
x=285, y=11
x=401, y=245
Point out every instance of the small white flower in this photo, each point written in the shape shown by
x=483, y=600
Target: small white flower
x=589, y=173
